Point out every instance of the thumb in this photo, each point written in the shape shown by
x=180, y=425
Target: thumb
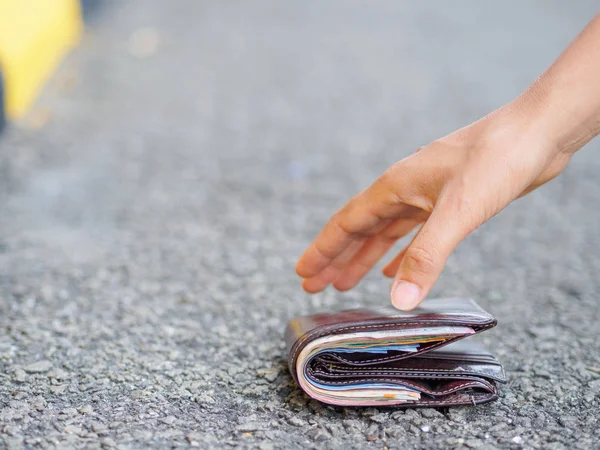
x=425, y=257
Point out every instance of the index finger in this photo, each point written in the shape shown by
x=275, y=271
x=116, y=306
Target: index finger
x=366, y=214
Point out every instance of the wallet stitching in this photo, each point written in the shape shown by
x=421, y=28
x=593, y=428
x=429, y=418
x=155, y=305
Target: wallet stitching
x=340, y=367
x=412, y=385
x=425, y=375
x=337, y=366
x=453, y=402
x=385, y=325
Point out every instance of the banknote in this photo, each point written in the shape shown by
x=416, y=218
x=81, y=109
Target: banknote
x=370, y=346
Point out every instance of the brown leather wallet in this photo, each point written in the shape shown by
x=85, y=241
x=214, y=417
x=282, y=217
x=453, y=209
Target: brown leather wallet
x=382, y=356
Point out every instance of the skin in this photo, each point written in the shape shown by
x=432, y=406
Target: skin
x=450, y=187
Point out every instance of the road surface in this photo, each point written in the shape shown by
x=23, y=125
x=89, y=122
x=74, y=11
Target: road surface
x=154, y=203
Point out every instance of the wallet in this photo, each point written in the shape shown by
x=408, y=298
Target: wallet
x=383, y=356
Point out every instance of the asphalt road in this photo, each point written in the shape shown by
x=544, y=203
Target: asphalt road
x=154, y=203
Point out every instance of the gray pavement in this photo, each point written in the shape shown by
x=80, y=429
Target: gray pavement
x=154, y=203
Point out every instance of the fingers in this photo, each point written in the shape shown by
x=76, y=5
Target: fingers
x=330, y=242
x=319, y=282
x=366, y=214
x=372, y=251
x=368, y=256
x=397, y=194
x=424, y=259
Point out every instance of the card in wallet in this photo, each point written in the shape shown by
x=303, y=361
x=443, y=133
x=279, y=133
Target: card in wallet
x=383, y=356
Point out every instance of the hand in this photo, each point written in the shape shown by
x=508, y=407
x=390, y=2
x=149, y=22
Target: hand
x=449, y=188
x=453, y=185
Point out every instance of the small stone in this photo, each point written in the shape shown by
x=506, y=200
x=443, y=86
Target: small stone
x=232, y=371
x=99, y=428
x=20, y=376
x=38, y=367
x=87, y=409
x=136, y=394
x=319, y=435
x=498, y=427
x=414, y=429
x=379, y=418
x=68, y=412
x=107, y=443
x=369, y=412
x=473, y=443
x=351, y=424
x=594, y=385
x=431, y=413
x=39, y=403
x=296, y=421
x=425, y=428
x=205, y=399
x=517, y=440
x=169, y=420
x=568, y=422
x=268, y=374
x=410, y=414
x=298, y=400
x=256, y=390
x=11, y=430
x=371, y=438
x=272, y=376
x=58, y=390
x=58, y=374
x=398, y=415
x=73, y=429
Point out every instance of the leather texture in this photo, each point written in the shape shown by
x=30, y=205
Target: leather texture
x=448, y=373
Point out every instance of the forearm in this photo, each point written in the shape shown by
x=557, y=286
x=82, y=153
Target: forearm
x=563, y=105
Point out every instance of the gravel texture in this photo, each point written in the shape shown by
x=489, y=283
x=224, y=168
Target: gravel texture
x=153, y=205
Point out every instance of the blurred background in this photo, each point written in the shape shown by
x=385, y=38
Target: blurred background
x=164, y=165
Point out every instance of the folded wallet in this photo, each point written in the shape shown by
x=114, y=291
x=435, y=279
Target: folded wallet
x=382, y=356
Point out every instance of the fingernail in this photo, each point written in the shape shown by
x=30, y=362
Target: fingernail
x=405, y=295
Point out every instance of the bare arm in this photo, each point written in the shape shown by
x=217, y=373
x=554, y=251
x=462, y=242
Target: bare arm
x=451, y=186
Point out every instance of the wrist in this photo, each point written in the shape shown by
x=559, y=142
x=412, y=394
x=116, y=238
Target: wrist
x=521, y=125
x=561, y=115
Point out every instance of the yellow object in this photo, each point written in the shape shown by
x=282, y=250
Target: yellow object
x=35, y=35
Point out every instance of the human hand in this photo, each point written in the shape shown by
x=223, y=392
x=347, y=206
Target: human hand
x=450, y=187
x=456, y=183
